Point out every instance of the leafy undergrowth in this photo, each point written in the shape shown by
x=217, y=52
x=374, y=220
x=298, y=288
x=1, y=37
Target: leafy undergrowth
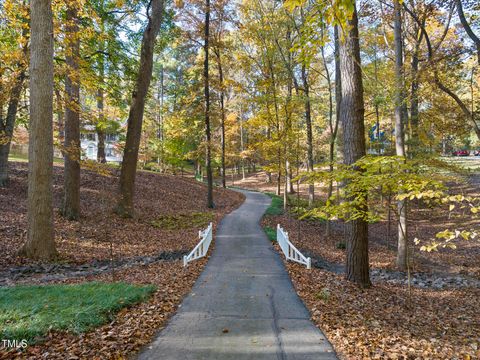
x=30, y=312
x=276, y=206
x=383, y=322
x=132, y=327
x=99, y=232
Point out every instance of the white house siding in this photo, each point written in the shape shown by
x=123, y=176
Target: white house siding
x=89, y=144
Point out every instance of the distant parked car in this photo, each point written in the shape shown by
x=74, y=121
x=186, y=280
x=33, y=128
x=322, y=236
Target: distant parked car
x=476, y=153
x=461, y=153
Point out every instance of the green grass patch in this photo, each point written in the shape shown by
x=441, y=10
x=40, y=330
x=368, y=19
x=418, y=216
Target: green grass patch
x=183, y=221
x=24, y=158
x=271, y=233
x=29, y=312
x=276, y=207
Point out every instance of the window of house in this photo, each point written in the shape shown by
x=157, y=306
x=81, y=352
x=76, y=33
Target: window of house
x=111, y=137
x=109, y=152
x=91, y=151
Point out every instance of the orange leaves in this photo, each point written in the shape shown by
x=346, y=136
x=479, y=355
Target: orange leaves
x=374, y=323
x=157, y=195
x=133, y=327
x=89, y=239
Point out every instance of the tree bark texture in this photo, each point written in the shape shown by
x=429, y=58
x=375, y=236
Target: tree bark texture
x=352, y=119
x=207, y=107
x=71, y=182
x=222, y=110
x=400, y=122
x=7, y=126
x=135, y=117
x=308, y=123
x=40, y=236
x=101, y=157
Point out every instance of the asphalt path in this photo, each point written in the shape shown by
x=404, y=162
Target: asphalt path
x=243, y=305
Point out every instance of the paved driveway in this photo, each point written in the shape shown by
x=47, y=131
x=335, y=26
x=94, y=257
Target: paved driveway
x=243, y=306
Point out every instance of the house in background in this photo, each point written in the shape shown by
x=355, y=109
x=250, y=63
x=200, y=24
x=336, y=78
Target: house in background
x=89, y=145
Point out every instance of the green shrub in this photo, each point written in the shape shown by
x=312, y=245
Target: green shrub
x=276, y=207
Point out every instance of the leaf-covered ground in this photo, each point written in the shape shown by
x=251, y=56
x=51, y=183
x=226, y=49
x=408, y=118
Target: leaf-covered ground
x=99, y=232
x=387, y=321
x=30, y=312
x=423, y=224
x=132, y=328
x=158, y=197
x=384, y=322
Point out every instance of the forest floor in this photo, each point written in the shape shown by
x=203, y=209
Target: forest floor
x=437, y=318
x=148, y=249
x=423, y=224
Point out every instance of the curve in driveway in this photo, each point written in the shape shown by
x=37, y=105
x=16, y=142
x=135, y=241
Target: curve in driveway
x=243, y=306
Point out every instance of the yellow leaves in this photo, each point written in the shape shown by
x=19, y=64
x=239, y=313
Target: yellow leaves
x=99, y=168
x=447, y=237
x=4, y=138
x=119, y=3
x=179, y=4
x=291, y=5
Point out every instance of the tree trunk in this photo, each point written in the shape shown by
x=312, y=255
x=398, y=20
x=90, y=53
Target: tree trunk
x=308, y=121
x=135, y=117
x=101, y=157
x=71, y=184
x=352, y=119
x=338, y=93
x=333, y=127
x=160, y=129
x=40, y=236
x=60, y=116
x=222, y=110
x=279, y=175
x=338, y=101
x=472, y=116
x=4, y=153
x=468, y=29
x=242, y=145
x=207, y=107
x=269, y=173
x=400, y=121
x=289, y=176
x=414, y=113
x=6, y=128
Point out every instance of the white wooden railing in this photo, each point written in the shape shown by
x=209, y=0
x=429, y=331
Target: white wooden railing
x=290, y=251
x=201, y=249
